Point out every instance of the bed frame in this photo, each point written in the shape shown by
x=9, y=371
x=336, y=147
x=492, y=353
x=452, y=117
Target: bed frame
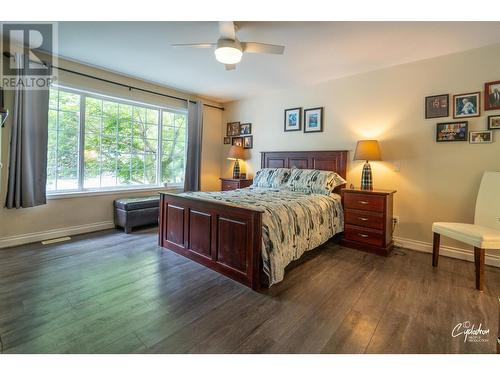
x=225, y=238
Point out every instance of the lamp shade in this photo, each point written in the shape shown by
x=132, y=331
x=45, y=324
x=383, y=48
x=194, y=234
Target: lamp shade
x=236, y=152
x=367, y=150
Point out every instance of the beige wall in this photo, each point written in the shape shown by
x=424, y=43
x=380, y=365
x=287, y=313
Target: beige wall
x=81, y=214
x=436, y=182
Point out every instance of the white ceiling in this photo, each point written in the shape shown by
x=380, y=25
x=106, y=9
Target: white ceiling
x=315, y=51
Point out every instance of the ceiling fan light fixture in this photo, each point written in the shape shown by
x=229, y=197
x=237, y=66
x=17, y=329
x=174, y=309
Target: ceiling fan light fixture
x=228, y=55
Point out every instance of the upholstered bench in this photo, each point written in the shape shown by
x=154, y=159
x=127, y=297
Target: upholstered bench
x=135, y=212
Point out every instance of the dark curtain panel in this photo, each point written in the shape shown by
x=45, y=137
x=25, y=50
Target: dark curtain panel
x=27, y=173
x=193, y=159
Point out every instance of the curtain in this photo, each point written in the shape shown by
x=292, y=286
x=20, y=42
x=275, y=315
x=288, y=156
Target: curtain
x=27, y=173
x=193, y=158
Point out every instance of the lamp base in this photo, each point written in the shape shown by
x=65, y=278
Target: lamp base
x=366, y=177
x=236, y=169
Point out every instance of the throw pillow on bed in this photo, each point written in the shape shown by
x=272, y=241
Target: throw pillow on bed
x=314, y=181
x=271, y=178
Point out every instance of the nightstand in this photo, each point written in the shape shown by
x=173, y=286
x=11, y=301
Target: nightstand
x=368, y=220
x=235, y=183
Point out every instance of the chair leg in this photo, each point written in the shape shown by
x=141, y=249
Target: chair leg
x=479, y=263
x=435, y=249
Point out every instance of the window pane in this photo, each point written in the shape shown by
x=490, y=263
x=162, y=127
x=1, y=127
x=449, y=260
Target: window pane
x=93, y=107
x=152, y=116
x=69, y=101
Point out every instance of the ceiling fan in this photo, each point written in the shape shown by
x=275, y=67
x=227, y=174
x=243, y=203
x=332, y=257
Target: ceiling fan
x=229, y=50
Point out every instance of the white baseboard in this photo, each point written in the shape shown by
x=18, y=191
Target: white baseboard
x=449, y=251
x=54, y=233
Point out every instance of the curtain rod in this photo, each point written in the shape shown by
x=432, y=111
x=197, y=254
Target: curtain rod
x=9, y=55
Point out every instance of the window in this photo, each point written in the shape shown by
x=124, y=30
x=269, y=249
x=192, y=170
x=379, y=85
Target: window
x=100, y=143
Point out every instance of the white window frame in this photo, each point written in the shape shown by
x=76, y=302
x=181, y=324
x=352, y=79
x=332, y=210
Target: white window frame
x=81, y=191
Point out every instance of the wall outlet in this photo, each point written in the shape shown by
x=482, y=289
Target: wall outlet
x=395, y=219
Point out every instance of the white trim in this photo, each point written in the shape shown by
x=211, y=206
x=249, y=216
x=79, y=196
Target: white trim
x=449, y=251
x=93, y=193
x=54, y=233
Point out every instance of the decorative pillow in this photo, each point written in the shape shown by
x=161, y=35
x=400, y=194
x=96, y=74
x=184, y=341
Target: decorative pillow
x=314, y=181
x=271, y=178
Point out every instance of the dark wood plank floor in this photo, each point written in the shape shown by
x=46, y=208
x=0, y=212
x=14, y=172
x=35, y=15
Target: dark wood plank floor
x=114, y=293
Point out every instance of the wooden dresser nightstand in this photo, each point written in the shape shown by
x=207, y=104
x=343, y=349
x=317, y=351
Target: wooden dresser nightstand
x=368, y=220
x=235, y=183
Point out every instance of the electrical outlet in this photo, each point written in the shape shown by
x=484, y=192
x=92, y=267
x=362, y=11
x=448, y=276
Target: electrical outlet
x=395, y=219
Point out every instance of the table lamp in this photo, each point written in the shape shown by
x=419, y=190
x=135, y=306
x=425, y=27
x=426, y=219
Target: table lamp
x=367, y=150
x=236, y=153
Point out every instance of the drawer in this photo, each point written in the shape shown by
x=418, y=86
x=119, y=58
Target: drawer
x=369, y=202
x=364, y=235
x=229, y=185
x=368, y=219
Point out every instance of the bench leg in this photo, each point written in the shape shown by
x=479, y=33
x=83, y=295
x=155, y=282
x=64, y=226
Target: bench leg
x=479, y=263
x=435, y=249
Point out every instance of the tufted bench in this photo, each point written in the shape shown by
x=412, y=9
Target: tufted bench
x=135, y=212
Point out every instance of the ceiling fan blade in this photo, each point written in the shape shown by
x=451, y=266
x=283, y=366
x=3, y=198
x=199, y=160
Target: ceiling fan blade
x=195, y=45
x=230, y=66
x=227, y=30
x=254, y=47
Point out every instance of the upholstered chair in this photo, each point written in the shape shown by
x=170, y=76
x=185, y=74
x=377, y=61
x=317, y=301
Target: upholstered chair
x=484, y=233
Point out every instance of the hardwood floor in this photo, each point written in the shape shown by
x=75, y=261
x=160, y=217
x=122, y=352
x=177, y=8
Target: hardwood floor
x=114, y=293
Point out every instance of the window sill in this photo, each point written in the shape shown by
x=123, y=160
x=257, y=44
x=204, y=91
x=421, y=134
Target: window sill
x=91, y=193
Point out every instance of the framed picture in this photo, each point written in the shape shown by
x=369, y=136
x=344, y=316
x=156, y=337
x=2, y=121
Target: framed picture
x=467, y=105
x=437, y=106
x=494, y=122
x=452, y=131
x=482, y=136
x=293, y=119
x=248, y=141
x=227, y=140
x=313, y=120
x=233, y=128
x=492, y=93
x=237, y=141
x=245, y=129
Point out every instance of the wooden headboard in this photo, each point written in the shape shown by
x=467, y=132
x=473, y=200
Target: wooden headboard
x=335, y=161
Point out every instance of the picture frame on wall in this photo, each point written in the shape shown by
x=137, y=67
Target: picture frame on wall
x=245, y=129
x=467, y=105
x=233, y=129
x=227, y=140
x=313, y=120
x=437, y=106
x=452, y=131
x=494, y=122
x=481, y=136
x=293, y=119
x=492, y=95
x=248, y=141
x=237, y=141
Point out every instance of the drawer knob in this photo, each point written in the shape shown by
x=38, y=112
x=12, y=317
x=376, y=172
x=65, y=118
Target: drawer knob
x=363, y=235
x=363, y=218
x=363, y=202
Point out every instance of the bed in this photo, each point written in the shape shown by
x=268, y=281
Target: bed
x=251, y=234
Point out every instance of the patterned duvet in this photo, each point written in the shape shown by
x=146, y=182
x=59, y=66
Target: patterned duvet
x=292, y=222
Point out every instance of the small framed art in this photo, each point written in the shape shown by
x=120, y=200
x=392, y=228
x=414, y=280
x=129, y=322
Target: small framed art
x=313, y=120
x=437, y=106
x=481, y=136
x=248, y=141
x=233, y=129
x=237, y=141
x=452, y=131
x=293, y=119
x=467, y=105
x=245, y=129
x=494, y=122
x=492, y=93
x=227, y=140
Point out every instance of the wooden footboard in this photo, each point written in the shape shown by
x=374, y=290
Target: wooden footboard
x=224, y=238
